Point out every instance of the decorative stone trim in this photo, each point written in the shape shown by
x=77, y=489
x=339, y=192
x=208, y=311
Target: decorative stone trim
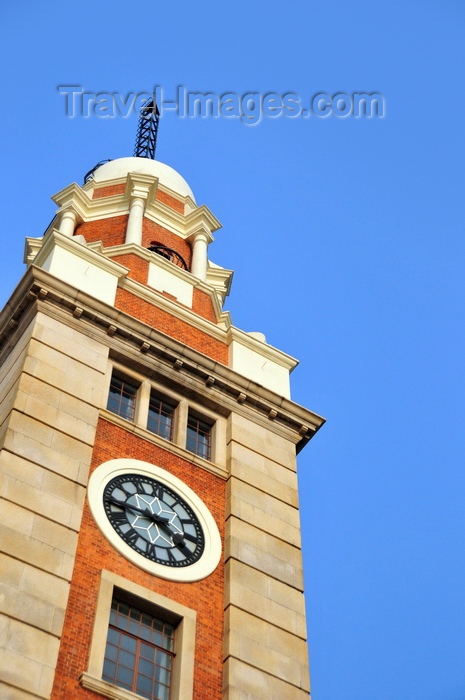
x=183, y=680
x=62, y=298
x=96, y=685
x=88, y=209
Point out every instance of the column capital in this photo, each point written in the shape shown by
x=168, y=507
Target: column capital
x=201, y=217
x=141, y=186
x=200, y=234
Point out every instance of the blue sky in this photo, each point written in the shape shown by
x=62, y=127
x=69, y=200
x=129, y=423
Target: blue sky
x=346, y=237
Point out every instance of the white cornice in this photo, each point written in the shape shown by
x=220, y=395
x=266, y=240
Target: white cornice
x=91, y=209
x=220, y=278
x=261, y=348
x=31, y=248
x=202, y=216
x=73, y=196
x=88, y=209
x=39, y=290
x=222, y=329
x=92, y=186
x=56, y=239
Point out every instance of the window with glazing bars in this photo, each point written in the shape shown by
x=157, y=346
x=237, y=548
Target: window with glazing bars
x=139, y=652
x=161, y=415
x=198, y=436
x=122, y=397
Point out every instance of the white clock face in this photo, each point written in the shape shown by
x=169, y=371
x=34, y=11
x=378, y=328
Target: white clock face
x=154, y=520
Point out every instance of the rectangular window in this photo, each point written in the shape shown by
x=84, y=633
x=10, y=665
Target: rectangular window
x=143, y=641
x=198, y=436
x=139, y=652
x=122, y=397
x=161, y=417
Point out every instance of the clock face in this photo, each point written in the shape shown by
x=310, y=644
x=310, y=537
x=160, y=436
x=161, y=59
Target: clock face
x=153, y=519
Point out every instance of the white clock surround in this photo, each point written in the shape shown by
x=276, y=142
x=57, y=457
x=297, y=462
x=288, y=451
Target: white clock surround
x=118, y=467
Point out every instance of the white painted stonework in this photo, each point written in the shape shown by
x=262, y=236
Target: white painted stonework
x=79, y=266
x=166, y=175
x=165, y=281
x=252, y=358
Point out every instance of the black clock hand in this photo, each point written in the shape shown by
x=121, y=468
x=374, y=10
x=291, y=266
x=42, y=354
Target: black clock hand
x=165, y=523
x=179, y=541
x=177, y=537
x=144, y=511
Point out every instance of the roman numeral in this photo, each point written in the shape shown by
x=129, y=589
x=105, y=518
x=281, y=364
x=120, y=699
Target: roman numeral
x=123, y=487
x=139, y=484
x=159, y=492
x=132, y=536
x=151, y=550
x=185, y=550
x=119, y=518
x=191, y=538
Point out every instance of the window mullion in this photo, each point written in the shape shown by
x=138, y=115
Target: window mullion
x=136, y=669
x=180, y=424
x=142, y=404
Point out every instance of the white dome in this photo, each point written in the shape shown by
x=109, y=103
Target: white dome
x=166, y=175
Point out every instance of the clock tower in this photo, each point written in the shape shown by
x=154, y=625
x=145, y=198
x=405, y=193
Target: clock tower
x=150, y=525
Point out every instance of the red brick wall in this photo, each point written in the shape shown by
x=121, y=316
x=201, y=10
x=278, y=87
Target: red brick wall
x=110, y=231
x=174, y=327
x=170, y=201
x=154, y=232
x=163, y=197
x=94, y=553
x=203, y=306
x=138, y=268
x=108, y=191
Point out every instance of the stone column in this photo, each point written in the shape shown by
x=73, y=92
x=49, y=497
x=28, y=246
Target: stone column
x=140, y=190
x=136, y=216
x=200, y=243
x=67, y=222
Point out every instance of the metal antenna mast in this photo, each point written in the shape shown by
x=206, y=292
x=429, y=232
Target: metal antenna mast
x=146, y=138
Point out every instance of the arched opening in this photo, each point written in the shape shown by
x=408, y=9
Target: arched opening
x=168, y=254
